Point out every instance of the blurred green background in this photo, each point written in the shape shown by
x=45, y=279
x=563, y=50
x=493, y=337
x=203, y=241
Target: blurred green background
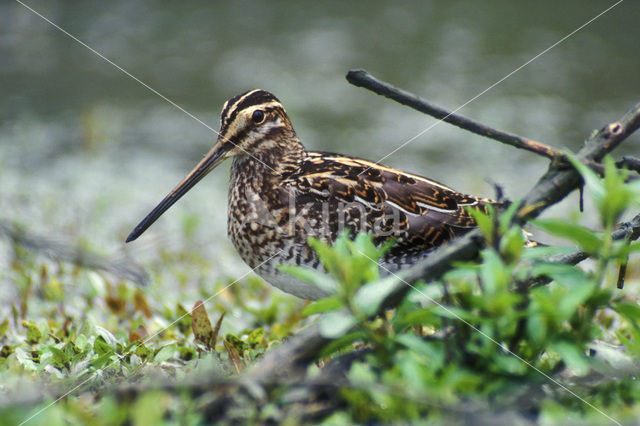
x=86, y=151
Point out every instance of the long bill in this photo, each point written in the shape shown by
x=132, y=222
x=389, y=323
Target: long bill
x=208, y=163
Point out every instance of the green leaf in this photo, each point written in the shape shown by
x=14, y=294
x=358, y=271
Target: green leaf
x=363, y=244
x=574, y=298
x=184, y=319
x=591, y=180
x=456, y=313
x=71, y=349
x=575, y=288
x=507, y=216
x=630, y=310
x=186, y=353
x=25, y=359
x=618, y=195
x=256, y=337
x=105, y=360
x=81, y=342
x=4, y=326
x=142, y=351
x=201, y=325
x=336, y=324
x=572, y=355
x=323, y=305
x=33, y=333
x=363, y=264
x=236, y=342
x=413, y=371
x=310, y=276
x=431, y=351
x=342, y=342
x=556, y=270
x=106, y=335
x=543, y=252
x=101, y=347
x=5, y=351
x=588, y=240
x=611, y=196
x=537, y=327
x=59, y=358
x=331, y=257
x=416, y=317
x=362, y=374
x=494, y=273
x=484, y=221
x=509, y=364
x=166, y=353
x=512, y=244
x=370, y=296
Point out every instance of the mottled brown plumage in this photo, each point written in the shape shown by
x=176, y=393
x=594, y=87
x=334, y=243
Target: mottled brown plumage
x=280, y=194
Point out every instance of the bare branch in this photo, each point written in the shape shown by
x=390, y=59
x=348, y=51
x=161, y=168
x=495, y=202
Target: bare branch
x=631, y=163
x=362, y=78
x=559, y=181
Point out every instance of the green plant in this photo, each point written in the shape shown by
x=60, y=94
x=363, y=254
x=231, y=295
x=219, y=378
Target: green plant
x=489, y=333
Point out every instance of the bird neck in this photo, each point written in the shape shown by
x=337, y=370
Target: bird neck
x=277, y=159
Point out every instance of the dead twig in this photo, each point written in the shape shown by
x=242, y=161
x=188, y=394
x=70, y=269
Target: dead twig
x=362, y=78
x=631, y=163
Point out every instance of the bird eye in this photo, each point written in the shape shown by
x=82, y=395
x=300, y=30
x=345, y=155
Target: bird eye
x=258, y=116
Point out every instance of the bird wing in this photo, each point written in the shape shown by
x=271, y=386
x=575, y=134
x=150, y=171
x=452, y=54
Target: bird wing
x=421, y=213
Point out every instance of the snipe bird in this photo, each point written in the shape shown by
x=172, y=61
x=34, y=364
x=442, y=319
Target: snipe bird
x=280, y=193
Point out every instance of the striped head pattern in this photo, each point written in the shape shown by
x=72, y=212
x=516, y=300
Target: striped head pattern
x=252, y=122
